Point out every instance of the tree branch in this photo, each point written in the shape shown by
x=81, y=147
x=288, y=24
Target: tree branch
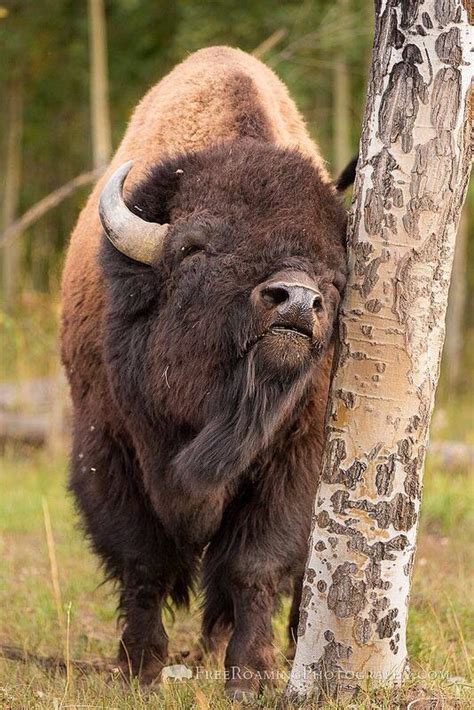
x=48, y=203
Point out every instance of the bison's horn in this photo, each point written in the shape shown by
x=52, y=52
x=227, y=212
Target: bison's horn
x=128, y=233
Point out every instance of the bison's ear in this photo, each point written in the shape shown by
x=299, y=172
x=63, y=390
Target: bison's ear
x=155, y=194
x=347, y=177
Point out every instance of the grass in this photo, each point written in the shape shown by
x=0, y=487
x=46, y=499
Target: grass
x=52, y=601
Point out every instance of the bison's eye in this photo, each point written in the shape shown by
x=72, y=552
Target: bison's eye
x=190, y=243
x=190, y=249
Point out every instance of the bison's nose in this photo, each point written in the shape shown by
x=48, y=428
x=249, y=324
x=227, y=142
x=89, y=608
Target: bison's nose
x=285, y=297
x=293, y=299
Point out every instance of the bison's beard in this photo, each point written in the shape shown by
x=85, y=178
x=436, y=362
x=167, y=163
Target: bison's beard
x=248, y=412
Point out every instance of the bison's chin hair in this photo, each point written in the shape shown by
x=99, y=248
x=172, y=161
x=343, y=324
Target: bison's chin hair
x=249, y=411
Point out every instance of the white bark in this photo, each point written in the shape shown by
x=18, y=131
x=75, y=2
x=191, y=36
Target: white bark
x=99, y=91
x=412, y=179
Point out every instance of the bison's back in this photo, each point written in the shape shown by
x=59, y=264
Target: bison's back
x=216, y=94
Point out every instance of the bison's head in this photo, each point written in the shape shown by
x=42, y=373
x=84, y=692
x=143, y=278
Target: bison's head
x=223, y=289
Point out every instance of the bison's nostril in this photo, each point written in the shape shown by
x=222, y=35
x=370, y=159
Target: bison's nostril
x=274, y=295
x=317, y=303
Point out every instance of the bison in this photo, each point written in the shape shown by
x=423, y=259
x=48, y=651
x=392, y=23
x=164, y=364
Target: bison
x=199, y=303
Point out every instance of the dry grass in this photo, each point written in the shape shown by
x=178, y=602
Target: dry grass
x=47, y=569
x=52, y=602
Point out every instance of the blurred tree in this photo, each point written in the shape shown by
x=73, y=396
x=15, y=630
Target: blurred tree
x=99, y=85
x=11, y=189
x=341, y=105
x=47, y=43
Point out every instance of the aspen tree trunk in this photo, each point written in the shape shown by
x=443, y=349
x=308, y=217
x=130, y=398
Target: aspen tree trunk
x=11, y=191
x=412, y=179
x=101, y=140
x=341, y=105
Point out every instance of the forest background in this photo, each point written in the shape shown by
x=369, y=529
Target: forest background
x=72, y=71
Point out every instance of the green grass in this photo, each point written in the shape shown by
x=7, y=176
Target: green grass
x=440, y=621
x=79, y=621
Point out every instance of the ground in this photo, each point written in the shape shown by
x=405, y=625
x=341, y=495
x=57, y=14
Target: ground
x=52, y=601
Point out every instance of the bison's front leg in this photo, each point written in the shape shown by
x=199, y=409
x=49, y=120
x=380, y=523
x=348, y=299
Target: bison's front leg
x=144, y=644
x=249, y=659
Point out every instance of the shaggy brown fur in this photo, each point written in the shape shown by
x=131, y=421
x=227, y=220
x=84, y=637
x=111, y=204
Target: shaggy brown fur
x=197, y=420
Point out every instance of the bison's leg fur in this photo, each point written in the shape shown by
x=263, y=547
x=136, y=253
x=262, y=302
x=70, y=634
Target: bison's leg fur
x=144, y=645
x=249, y=660
x=294, y=618
x=242, y=602
x=125, y=532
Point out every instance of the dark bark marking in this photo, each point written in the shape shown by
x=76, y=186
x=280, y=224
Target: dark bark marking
x=374, y=452
x=344, y=349
x=336, y=454
x=388, y=625
x=362, y=630
x=412, y=483
x=371, y=275
x=346, y=596
x=409, y=565
x=354, y=473
x=302, y=622
x=379, y=550
x=384, y=192
x=447, y=11
x=415, y=422
x=357, y=355
x=445, y=98
x=347, y=397
x=433, y=161
x=426, y=19
x=324, y=521
x=388, y=35
x=362, y=252
x=384, y=476
x=367, y=330
x=405, y=450
x=339, y=501
x=448, y=48
x=379, y=604
x=400, y=101
x=399, y=512
x=349, y=477
x=320, y=545
x=306, y=596
x=410, y=10
x=373, y=575
x=327, y=670
x=373, y=306
x=322, y=586
x=393, y=647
